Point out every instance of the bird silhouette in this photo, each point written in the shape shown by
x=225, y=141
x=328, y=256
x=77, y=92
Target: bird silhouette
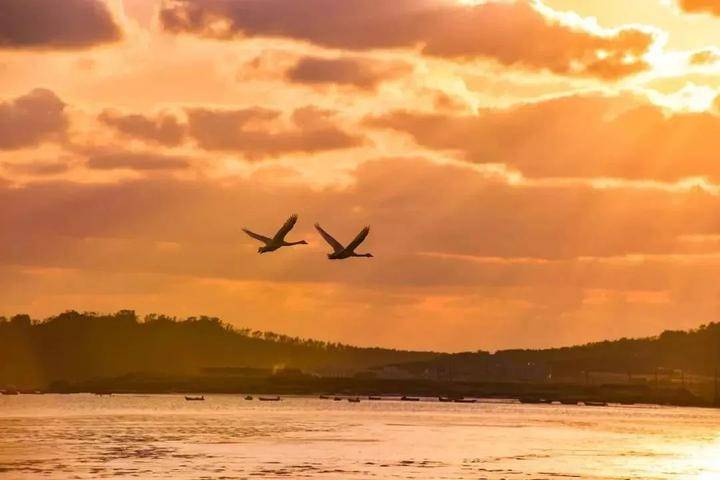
x=272, y=244
x=340, y=252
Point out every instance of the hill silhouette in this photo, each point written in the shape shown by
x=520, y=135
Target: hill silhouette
x=76, y=347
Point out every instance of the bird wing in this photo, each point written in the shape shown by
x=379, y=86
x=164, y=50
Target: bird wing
x=337, y=246
x=261, y=238
x=285, y=229
x=359, y=239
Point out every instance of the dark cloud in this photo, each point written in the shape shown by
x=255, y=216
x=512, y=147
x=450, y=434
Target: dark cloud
x=164, y=129
x=358, y=72
x=31, y=119
x=135, y=161
x=511, y=33
x=61, y=24
x=576, y=137
x=259, y=132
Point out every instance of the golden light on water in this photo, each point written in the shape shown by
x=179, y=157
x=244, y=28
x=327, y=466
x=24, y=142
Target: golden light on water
x=691, y=462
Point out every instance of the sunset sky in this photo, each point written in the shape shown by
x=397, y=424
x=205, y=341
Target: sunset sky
x=536, y=173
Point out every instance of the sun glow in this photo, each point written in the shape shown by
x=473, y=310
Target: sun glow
x=704, y=460
x=690, y=98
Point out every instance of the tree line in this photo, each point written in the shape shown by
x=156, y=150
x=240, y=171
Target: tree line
x=76, y=346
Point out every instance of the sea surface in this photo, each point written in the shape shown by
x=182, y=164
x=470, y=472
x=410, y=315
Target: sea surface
x=227, y=437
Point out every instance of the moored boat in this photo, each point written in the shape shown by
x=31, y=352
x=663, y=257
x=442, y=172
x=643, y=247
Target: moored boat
x=248, y=397
x=405, y=398
x=195, y=399
x=269, y=399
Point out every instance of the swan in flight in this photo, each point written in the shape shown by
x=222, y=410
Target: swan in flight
x=340, y=252
x=272, y=244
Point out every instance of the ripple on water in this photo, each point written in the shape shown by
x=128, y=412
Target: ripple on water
x=152, y=437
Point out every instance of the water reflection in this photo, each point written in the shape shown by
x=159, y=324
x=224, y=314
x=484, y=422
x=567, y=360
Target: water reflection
x=226, y=437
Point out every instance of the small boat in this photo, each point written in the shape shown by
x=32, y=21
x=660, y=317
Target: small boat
x=324, y=397
x=372, y=397
x=195, y=399
x=536, y=400
x=565, y=401
x=248, y=397
x=269, y=399
x=353, y=400
x=337, y=399
x=405, y=398
x=10, y=392
x=445, y=399
x=595, y=404
x=464, y=400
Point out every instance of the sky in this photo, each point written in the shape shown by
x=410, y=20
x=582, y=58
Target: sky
x=535, y=173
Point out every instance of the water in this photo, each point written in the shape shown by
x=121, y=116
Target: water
x=227, y=437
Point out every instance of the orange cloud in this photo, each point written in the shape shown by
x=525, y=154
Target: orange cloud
x=513, y=33
x=258, y=132
x=451, y=246
x=52, y=24
x=464, y=213
x=705, y=57
x=135, y=161
x=700, y=6
x=165, y=129
x=36, y=117
x=577, y=136
x=358, y=72
x=37, y=168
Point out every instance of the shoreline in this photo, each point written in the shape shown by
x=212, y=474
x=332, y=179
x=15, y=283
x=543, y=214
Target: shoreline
x=306, y=385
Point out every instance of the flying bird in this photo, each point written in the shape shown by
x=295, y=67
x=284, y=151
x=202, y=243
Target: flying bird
x=340, y=252
x=272, y=244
